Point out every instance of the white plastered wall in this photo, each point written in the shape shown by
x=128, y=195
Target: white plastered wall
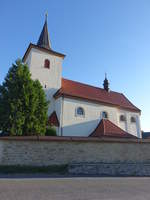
x=50, y=79
x=130, y=127
x=74, y=125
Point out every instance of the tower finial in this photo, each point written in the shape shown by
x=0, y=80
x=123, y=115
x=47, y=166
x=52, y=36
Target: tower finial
x=106, y=83
x=46, y=15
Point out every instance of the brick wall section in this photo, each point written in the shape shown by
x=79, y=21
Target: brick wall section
x=66, y=150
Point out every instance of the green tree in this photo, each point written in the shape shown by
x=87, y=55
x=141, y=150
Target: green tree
x=23, y=105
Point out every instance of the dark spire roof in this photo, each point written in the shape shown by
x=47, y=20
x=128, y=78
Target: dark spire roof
x=106, y=83
x=44, y=36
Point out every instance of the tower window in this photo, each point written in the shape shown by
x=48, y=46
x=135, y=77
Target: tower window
x=104, y=115
x=122, y=118
x=133, y=119
x=80, y=111
x=47, y=64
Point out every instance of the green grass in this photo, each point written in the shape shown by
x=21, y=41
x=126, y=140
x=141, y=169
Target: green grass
x=18, y=169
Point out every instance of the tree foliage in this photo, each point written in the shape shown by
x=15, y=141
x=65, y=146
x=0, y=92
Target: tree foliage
x=23, y=105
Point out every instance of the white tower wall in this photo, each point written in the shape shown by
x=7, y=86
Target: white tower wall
x=50, y=78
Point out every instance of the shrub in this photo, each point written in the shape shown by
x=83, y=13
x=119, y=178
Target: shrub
x=50, y=131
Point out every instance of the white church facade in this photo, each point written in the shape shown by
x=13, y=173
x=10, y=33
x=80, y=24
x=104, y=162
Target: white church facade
x=78, y=109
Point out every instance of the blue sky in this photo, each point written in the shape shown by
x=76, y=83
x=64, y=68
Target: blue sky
x=97, y=36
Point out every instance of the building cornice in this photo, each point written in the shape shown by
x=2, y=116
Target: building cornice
x=49, y=51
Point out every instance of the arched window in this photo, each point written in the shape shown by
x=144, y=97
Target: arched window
x=80, y=111
x=133, y=119
x=104, y=115
x=122, y=118
x=47, y=64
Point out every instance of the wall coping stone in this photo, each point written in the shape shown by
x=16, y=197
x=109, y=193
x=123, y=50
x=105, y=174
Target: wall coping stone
x=74, y=139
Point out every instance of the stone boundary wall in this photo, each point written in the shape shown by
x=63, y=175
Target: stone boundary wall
x=105, y=153
x=110, y=169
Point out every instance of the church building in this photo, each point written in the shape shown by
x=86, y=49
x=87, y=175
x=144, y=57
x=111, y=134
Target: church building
x=78, y=109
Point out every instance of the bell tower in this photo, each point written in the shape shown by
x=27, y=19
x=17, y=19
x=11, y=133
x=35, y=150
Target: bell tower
x=44, y=63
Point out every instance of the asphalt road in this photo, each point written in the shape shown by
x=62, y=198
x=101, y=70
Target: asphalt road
x=75, y=189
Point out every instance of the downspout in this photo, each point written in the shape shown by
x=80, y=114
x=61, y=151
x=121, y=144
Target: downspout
x=62, y=115
x=138, y=127
x=127, y=128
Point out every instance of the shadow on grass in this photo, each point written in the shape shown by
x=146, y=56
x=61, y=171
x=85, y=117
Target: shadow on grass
x=18, y=169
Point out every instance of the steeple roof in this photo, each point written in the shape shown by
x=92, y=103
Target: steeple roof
x=44, y=40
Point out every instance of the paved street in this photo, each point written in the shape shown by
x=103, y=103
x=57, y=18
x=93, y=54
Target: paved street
x=75, y=189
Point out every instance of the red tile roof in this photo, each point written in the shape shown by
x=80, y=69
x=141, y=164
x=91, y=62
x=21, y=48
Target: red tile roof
x=73, y=89
x=108, y=129
x=53, y=119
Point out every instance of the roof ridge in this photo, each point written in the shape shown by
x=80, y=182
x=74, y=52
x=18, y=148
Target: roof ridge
x=91, y=85
x=75, y=89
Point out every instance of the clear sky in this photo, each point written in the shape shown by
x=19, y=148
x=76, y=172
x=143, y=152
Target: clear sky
x=97, y=36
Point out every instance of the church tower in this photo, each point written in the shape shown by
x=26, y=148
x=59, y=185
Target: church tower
x=44, y=63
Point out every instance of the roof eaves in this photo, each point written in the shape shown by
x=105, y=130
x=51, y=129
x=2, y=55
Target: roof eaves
x=131, y=102
x=61, y=93
x=42, y=49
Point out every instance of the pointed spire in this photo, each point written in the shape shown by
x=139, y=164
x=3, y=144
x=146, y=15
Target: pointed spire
x=106, y=83
x=44, y=40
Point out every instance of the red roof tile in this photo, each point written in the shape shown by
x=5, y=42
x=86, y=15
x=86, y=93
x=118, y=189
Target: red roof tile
x=53, y=119
x=108, y=129
x=75, y=89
